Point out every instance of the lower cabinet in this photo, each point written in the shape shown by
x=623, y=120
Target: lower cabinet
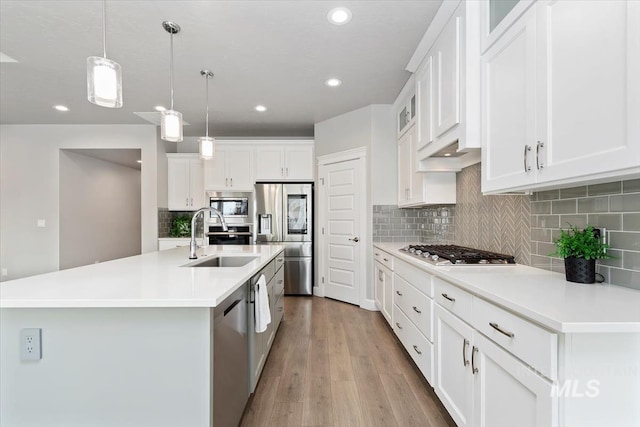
x=260, y=343
x=384, y=290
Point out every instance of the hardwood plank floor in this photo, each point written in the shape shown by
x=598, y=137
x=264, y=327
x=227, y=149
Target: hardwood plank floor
x=334, y=364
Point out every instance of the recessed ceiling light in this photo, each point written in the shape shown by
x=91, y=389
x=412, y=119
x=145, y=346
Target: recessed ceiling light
x=61, y=108
x=261, y=108
x=159, y=108
x=333, y=82
x=339, y=16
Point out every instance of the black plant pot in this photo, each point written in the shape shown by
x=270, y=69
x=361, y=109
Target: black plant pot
x=580, y=270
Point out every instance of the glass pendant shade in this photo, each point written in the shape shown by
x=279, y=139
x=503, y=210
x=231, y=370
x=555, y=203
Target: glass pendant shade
x=207, y=147
x=171, y=126
x=104, y=82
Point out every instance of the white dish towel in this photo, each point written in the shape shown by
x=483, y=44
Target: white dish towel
x=261, y=305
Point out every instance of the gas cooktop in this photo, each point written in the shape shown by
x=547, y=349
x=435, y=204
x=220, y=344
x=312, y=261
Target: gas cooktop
x=457, y=255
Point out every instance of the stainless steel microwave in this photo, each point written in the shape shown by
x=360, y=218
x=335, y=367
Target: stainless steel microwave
x=236, y=207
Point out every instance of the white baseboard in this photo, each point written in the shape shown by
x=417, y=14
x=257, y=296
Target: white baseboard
x=318, y=291
x=369, y=304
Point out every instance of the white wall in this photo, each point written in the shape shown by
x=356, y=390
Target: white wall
x=29, y=188
x=99, y=210
x=372, y=127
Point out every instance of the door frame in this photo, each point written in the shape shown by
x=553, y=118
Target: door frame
x=359, y=154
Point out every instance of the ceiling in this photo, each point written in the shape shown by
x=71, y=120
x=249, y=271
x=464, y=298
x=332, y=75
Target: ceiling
x=275, y=53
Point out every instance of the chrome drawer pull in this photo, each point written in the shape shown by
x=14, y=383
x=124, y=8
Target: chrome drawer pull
x=465, y=343
x=377, y=254
x=280, y=309
x=526, y=167
x=473, y=360
x=399, y=293
x=398, y=325
x=448, y=297
x=386, y=260
x=415, y=347
x=502, y=331
x=416, y=309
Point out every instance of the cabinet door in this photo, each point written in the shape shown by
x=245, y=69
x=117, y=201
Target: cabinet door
x=404, y=170
x=594, y=45
x=454, y=382
x=424, y=93
x=269, y=163
x=416, y=193
x=509, y=103
x=196, y=184
x=178, y=190
x=240, y=169
x=299, y=163
x=507, y=393
x=447, y=62
x=379, y=288
x=387, y=307
x=214, y=171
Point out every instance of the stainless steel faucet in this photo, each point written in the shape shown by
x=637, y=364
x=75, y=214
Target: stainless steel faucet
x=192, y=245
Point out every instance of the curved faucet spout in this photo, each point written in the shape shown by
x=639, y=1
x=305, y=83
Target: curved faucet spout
x=192, y=244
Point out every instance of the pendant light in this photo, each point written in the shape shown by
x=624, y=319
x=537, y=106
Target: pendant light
x=206, y=143
x=104, y=76
x=171, y=120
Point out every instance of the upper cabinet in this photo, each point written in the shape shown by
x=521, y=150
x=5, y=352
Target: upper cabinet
x=405, y=107
x=447, y=85
x=230, y=170
x=284, y=162
x=185, y=178
x=560, y=99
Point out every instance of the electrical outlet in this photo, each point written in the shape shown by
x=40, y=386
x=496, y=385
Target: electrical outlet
x=31, y=344
x=41, y=223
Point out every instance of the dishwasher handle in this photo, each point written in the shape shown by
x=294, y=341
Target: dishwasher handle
x=228, y=309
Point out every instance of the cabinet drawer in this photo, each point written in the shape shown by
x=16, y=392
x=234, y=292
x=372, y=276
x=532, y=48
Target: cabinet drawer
x=383, y=258
x=452, y=298
x=279, y=261
x=417, y=345
x=415, y=305
x=278, y=279
x=534, y=345
x=421, y=280
x=278, y=310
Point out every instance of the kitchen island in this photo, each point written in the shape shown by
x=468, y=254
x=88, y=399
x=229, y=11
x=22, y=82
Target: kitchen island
x=127, y=342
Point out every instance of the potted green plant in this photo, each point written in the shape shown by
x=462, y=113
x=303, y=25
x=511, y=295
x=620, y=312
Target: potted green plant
x=580, y=249
x=181, y=226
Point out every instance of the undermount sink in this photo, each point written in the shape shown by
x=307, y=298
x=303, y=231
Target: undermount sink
x=224, y=261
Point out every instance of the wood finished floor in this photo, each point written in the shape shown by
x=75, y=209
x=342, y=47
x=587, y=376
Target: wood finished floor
x=334, y=364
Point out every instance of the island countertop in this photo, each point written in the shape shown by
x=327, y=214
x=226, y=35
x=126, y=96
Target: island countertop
x=156, y=279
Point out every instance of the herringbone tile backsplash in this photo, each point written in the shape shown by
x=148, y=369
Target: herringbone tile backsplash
x=525, y=226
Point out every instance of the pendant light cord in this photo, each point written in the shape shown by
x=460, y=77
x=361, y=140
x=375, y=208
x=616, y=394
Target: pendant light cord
x=207, y=118
x=171, y=71
x=104, y=29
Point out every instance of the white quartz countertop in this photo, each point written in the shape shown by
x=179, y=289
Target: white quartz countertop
x=156, y=279
x=542, y=296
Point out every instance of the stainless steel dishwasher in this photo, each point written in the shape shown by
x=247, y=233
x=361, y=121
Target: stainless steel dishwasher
x=230, y=359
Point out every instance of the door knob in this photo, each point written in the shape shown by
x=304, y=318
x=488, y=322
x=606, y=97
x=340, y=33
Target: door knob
x=355, y=239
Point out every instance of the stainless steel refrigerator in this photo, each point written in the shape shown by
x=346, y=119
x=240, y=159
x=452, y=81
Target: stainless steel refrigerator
x=284, y=216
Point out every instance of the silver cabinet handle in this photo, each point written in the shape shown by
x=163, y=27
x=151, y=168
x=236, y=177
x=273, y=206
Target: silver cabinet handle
x=192, y=201
x=231, y=180
x=377, y=254
x=399, y=293
x=356, y=239
x=287, y=172
x=474, y=350
x=415, y=347
x=186, y=202
x=280, y=282
x=416, y=309
x=398, y=325
x=448, y=297
x=380, y=275
x=385, y=259
x=502, y=331
x=465, y=343
x=527, y=168
x=281, y=171
x=226, y=182
x=280, y=309
x=280, y=260
x=539, y=164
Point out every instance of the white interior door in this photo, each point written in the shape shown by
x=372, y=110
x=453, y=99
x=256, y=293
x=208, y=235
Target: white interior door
x=342, y=205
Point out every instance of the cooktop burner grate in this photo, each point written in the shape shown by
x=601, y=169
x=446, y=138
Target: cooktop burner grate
x=454, y=254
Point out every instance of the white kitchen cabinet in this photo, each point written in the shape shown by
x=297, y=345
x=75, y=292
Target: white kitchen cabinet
x=405, y=107
x=384, y=290
x=231, y=169
x=453, y=377
x=496, y=16
x=421, y=188
x=284, y=162
x=541, y=128
x=448, y=92
x=508, y=393
x=185, y=179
